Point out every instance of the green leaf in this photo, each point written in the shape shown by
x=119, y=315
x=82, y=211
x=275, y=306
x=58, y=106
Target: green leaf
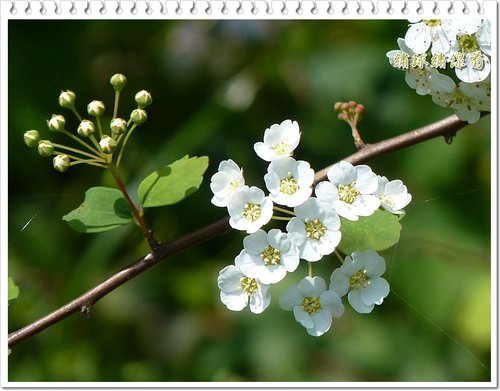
x=103, y=209
x=171, y=184
x=377, y=232
x=13, y=290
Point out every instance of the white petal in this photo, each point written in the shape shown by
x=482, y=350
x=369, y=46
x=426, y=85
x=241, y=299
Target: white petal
x=342, y=173
x=296, y=231
x=255, y=243
x=331, y=302
x=307, y=251
x=290, y=298
x=234, y=301
x=303, y=317
x=326, y=192
x=375, y=292
x=311, y=286
x=366, y=180
x=229, y=279
x=418, y=38
x=260, y=300
x=322, y=321
x=339, y=282
x=354, y=298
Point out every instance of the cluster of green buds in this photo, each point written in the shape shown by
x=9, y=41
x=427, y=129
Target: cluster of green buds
x=351, y=112
x=101, y=147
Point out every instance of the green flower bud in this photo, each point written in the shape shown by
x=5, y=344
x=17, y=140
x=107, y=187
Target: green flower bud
x=67, y=99
x=138, y=116
x=108, y=144
x=118, y=81
x=86, y=128
x=31, y=138
x=56, y=123
x=143, y=99
x=61, y=162
x=45, y=148
x=95, y=108
x=118, y=126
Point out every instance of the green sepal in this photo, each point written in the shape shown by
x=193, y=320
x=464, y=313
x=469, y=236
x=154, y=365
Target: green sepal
x=103, y=209
x=377, y=232
x=171, y=184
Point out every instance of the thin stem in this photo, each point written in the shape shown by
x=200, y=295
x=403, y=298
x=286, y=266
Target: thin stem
x=122, y=148
x=117, y=100
x=77, y=114
x=89, y=162
x=281, y=218
x=339, y=256
x=66, y=148
x=99, y=126
x=80, y=141
x=283, y=210
x=135, y=211
x=309, y=269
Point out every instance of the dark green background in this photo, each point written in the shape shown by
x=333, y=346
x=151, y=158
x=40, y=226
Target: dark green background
x=168, y=324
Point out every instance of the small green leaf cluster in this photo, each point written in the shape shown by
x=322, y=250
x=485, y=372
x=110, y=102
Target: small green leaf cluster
x=353, y=214
x=106, y=208
x=99, y=145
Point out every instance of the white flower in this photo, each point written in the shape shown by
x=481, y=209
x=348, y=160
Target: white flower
x=313, y=306
x=289, y=181
x=469, y=53
x=315, y=229
x=279, y=140
x=237, y=291
x=441, y=34
x=268, y=256
x=393, y=195
x=249, y=209
x=360, y=276
x=225, y=182
x=350, y=190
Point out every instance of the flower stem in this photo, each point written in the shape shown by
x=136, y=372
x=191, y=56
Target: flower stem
x=117, y=100
x=339, y=256
x=283, y=210
x=66, y=148
x=80, y=141
x=280, y=218
x=122, y=148
x=77, y=114
x=309, y=269
x=138, y=216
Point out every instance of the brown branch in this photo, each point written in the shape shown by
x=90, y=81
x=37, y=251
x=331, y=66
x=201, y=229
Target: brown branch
x=84, y=303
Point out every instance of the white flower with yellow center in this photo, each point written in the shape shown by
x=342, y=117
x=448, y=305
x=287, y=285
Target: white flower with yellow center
x=312, y=304
x=315, y=229
x=393, y=195
x=350, y=190
x=249, y=209
x=289, y=181
x=469, y=54
x=268, y=256
x=238, y=291
x=225, y=182
x=441, y=34
x=359, y=278
x=279, y=140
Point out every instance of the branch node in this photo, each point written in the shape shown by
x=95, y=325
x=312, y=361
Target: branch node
x=86, y=309
x=448, y=137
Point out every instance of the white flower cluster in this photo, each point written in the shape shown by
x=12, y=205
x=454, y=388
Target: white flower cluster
x=312, y=231
x=461, y=44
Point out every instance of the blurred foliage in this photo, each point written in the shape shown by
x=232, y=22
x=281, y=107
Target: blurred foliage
x=217, y=85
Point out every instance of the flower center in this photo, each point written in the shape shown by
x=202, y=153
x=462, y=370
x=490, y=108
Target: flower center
x=432, y=22
x=348, y=193
x=387, y=200
x=359, y=280
x=468, y=43
x=251, y=212
x=281, y=148
x=271, y=256
x=289, y=185
x=315, y=229
x=234, y=183
x=249, y=285
x=311, y=305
